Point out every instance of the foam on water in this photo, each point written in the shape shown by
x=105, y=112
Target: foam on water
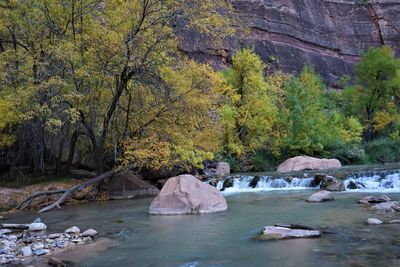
x=383, y=181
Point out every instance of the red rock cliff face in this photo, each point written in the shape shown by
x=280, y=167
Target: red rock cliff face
x=327, y=34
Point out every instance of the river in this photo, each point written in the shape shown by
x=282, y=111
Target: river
x=226, y=239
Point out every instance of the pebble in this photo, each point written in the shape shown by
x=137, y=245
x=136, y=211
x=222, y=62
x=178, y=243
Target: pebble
x=5, y=231
x=73, y=230
x=41, y=252
x=37, y=226
x=15, y=248
x=26, y=251
x=373, y=221
x=54, y=236
x=37, y=246
x=89, y=233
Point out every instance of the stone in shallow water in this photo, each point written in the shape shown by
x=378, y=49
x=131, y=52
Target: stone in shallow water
x=89, y=233
x=26, y=251
x=374, y=221
x=41, y=252
x=371, y=199
x=54, y=236
x=73, y=230
x=320, y=196
x=389, y=206
x=185, y=194
x=277, y=233
x=37, y=226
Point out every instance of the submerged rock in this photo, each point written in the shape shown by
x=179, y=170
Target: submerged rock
x=371, y=199
x=389, y=206
x=302, y=163
x=277, y=233
x=185, y=194
x=320, y=196
x=331, y=183
x=374, y=221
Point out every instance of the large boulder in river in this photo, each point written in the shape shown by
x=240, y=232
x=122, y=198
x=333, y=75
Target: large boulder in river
x=184, y=194
x=331, y=183
x=320, y=196
x=128, y=185
x=302, y=163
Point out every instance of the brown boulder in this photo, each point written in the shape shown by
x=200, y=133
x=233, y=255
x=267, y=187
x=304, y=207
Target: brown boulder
x=128, y=185
x=184, y=194
x=331, y=183
x=302, y=163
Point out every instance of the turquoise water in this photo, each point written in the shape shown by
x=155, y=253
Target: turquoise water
x=225, y=239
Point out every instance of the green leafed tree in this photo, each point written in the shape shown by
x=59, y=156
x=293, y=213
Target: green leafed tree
x=375, y=96
x=248, y=114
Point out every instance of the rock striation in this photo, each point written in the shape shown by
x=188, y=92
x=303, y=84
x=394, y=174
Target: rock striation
x=327, y=34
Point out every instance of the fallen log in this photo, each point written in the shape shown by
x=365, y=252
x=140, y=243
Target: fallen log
x=66, y=193
x=295, y=226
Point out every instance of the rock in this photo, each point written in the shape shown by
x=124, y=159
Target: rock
x=318, y=179
x=222, y=168
x=128, y=185
x=41, y=252
x=371, y=199
x=228, y=182
x=74, y=231
x=89, y=233
x=213, y=182
x=389, y=206
x=394, y=222
x=37, y=220
x=37, y=246
x=277, y=233
x=184, y=194
x=331, y=183
x=287, y=34
x=320, y=196
x=5, y=231
x=37, y=226
x=54, y=236
x=26, y=251
x=352, y=185
x=302, y=163
x=253, y=183
x=373, y=221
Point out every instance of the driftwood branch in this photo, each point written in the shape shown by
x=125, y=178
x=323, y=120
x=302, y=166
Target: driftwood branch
x=66, y=193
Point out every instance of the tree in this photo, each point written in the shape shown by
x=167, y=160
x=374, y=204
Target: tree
x=79, y=67
x=248, y=113
x=376, y=91
x=305, y=120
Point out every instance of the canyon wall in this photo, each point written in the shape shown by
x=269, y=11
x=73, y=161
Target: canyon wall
x=327, y=34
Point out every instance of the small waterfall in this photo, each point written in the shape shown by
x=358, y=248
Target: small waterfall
x=386, y=181
x=370, y=181
x=264, y=183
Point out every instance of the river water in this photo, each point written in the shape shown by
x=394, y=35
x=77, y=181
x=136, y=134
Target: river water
x=225, y=239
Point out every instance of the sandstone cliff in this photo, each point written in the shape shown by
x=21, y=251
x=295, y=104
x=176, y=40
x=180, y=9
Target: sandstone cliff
x=328, y=34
